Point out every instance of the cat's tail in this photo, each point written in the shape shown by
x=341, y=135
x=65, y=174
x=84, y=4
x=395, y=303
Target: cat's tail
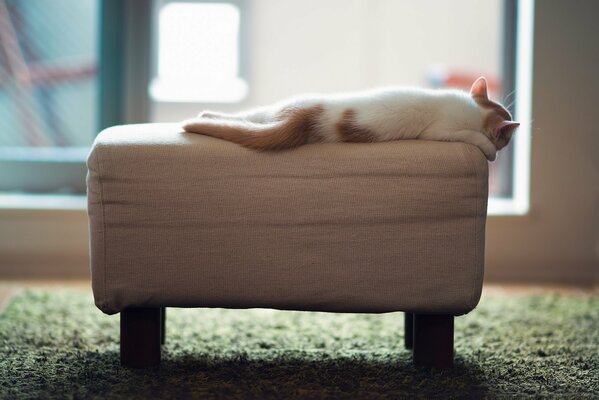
x=291, y=128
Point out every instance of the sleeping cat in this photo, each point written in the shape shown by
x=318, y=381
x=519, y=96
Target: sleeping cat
x=372, y=116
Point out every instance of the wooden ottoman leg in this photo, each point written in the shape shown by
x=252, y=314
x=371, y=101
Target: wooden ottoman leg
x=162, y=325
x=433, y=340
x=140, y=337
x=408, y=330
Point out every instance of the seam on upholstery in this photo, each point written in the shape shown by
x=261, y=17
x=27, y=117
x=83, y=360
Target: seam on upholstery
x=103, y=222
x=472, y=162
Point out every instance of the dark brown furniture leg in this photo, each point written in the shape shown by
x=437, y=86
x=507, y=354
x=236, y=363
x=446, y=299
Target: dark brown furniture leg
x=433, y=340
x=162, y=325
x=408, y=330
x=140, y=337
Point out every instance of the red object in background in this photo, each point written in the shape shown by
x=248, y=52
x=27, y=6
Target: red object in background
x=464, y=81
x=443, y=78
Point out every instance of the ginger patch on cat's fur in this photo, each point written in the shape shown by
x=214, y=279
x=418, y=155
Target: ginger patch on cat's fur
x=298, y=126
x=350, y=131
x=292, y=127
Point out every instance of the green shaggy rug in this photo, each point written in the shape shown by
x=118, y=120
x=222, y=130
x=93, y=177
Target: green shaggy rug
x=58, y=345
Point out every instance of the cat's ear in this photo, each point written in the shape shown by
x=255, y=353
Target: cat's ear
x=506, y=129
x=479, y=88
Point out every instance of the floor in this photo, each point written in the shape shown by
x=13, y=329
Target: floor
x=9, y=288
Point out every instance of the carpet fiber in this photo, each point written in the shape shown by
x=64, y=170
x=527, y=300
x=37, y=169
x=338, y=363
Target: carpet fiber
x=58, y=345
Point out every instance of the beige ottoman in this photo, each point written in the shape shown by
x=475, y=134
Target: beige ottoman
x=185, y=220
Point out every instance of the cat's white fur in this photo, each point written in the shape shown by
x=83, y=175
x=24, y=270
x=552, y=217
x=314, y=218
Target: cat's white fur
x=389, y=113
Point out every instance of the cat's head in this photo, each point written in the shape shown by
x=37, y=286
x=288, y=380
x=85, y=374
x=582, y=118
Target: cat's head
x=497, y=121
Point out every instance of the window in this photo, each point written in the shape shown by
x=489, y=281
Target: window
x=518, y=202
x=47, y=94
x=198, y=53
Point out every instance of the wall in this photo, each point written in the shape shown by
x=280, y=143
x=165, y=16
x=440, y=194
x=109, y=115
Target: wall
x=559, y=240
x=46, y=243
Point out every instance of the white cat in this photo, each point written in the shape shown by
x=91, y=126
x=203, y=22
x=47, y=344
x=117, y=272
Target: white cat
x=372, y=116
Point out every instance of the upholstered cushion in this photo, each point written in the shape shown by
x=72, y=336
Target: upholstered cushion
x=179, y=219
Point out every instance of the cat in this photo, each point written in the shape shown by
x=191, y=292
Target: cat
x=373, y=116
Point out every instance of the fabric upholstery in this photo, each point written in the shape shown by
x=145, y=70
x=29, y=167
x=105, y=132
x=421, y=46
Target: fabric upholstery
x=180, y=219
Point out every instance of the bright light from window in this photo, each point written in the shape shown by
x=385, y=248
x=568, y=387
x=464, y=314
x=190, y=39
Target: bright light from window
x=198, y=54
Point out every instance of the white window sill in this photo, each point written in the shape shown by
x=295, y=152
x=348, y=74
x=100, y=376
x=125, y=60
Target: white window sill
x=233, y=90
x=15, y=201
x=506, y=207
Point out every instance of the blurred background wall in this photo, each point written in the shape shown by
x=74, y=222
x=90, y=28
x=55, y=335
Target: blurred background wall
x=559, y=240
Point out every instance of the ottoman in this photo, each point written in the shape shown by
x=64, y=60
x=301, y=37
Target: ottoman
x=185, y=220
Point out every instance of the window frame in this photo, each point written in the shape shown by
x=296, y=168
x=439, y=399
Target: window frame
x=121, y=85
x=41, y=170
x=518, y=42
